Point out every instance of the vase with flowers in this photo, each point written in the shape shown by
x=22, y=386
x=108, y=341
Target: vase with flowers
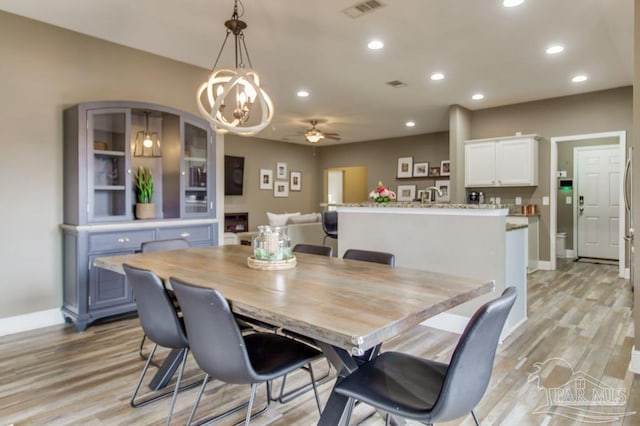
x=382, y=194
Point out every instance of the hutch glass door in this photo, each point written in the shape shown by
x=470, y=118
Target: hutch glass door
x=108, y=146
x=196, y=181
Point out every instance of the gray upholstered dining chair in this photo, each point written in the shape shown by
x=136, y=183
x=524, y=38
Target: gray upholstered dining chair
x=160, y=245
x=161, y=324
x=163, y=245
x=313, y=249
x=330, y=225
x=370, y=256
x=223, y=353
x=429, y=391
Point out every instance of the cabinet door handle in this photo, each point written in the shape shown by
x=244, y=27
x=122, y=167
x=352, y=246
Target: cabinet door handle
x=185, y=235
x=123, y=240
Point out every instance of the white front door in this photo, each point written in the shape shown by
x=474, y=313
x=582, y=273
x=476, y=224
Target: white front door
x=598, y=201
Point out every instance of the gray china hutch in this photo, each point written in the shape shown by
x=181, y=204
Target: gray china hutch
x=99, y=196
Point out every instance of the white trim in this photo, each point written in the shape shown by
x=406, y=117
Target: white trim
x=448, y=322
x=553, y=191
x=544, y=265
x=31, y=321
x=634, y=364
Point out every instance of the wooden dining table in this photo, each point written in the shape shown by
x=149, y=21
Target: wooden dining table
x=348, y=307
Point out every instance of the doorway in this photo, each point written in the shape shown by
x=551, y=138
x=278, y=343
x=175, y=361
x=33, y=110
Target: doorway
x=345, y=185
x=620, y=136
x=597, y=210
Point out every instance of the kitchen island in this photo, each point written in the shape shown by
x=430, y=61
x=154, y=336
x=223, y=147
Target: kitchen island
x=461, y=239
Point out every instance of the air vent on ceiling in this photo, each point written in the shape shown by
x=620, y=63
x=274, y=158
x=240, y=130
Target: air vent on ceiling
x=396, y=84
x=359, y=9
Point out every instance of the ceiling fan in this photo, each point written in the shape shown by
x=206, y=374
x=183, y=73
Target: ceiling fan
x=314, y=135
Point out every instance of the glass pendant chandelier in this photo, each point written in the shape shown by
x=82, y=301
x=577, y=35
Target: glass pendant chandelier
x=230, y=97
x=147, y=143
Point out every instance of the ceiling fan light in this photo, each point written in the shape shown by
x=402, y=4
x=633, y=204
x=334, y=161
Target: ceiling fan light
x=314, y=138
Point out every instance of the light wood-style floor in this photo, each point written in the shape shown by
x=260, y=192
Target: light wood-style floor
x=580, y=313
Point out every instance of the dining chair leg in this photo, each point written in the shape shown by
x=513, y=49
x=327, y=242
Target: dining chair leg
x=315, y=388
x=132, y=402
x=142, y=355
x=177, y=388
x=254, y=386
x=197, y=401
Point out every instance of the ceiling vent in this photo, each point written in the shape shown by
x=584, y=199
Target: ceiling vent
x=359, y=9
x=396, y=84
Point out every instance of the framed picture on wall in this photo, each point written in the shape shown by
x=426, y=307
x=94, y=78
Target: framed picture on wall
x=405, y=167
x=434, y=171
x=444, y=186
x=281, y=188
x=445, y=168
x=266, y=179
x=421, y=169
x=281, y=170
x=406, y=192
x=296, y=181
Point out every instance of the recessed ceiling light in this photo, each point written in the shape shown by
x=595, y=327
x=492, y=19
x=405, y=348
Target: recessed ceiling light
x=410, y=123
x=579, y=78
x=375, y=45
x=552, y=50
x=512, y=3
x=437, y=76
x=477, y=96
x=302, y=93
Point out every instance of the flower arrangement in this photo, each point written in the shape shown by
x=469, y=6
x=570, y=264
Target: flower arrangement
x=382, y=194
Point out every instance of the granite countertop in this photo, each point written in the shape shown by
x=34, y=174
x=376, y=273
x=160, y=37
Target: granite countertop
x=410, y=204
x=512, y=227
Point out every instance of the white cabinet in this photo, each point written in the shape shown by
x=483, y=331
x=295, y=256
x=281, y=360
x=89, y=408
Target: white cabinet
x=501, y=162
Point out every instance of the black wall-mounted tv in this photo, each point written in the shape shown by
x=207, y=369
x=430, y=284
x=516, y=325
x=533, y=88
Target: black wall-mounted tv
x=233, y=175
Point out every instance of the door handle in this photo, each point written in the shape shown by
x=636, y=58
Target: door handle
x=581, y=209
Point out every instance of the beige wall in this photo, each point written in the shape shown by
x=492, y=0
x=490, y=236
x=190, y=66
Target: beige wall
x=381, y=157
x=44, y=70
x=602, y=111
x=264, y=154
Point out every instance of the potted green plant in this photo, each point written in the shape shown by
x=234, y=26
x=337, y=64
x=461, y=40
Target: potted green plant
x=145, y=209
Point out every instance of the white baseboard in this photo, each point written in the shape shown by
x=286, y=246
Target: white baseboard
x=634, y=364
x=570, y=254
x=447, y=322
x=544, y=265
x=456, y=324
x=627, y=274
x=31, y=321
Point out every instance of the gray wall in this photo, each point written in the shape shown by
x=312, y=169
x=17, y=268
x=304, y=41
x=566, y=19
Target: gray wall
x=264, y=154
x=44, y=70
x=602, y=111
x=381, y=157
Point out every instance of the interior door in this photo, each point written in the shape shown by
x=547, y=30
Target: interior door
x=335, y=185
x=598, y=198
